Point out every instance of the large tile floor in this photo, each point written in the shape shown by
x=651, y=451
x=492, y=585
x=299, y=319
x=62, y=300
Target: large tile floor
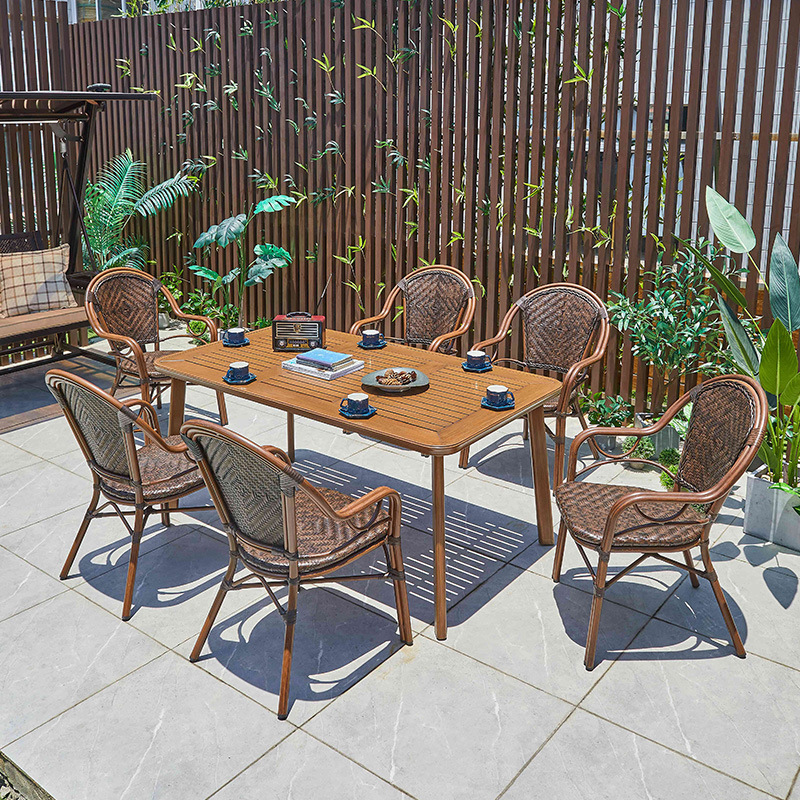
x=92, y=707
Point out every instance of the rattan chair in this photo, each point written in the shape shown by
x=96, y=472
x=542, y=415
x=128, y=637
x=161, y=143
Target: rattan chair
x=145, y=478
x=564, y=331
x=438, y=306
x=122, y=306
x=286, y=532
x=726, y=426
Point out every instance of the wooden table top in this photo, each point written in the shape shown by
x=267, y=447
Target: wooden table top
x=440, y=420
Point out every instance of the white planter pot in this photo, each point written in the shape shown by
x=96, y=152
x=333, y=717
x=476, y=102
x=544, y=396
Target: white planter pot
x=769, y=513
x=607, y=443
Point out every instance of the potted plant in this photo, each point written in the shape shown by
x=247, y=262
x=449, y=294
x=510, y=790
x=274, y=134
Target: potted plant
x=248, y=271
x=771, y=507
x=674, y=327
x=644, y=449
x=669, y=458
x=608, y=412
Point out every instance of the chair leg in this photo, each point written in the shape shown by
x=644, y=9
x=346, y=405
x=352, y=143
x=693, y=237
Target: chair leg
x=722, y=602
x=215, y=607
x=597, y=607
x=559, y=556
x=87, y=518
x=463, y=458
x=144, y=386
x=560, y=445
x=117, y=381
x=395, y=561
x=136, y=538
x=579, y=412
x=687, y=556
x=288, y=644
x=165, y=515
x=223, y=409
x=525, y=429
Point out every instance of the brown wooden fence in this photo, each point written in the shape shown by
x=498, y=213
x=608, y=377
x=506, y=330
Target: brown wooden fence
x=525, y=141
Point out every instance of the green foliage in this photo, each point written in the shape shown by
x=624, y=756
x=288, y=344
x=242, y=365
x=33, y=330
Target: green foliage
x=118, y=194
x=173, y=281
x=669, y=457
x=606, y=410
x=666, y=481
x=644, y=448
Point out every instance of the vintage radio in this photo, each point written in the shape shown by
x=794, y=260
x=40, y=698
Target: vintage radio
x=297, y=332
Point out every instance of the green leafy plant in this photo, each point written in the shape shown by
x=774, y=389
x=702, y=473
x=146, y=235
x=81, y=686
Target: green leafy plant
x=644, y=449
x=172, y=280
x=117, y=196
x=669, y=457
x=769, y=357
x=248, y=272
x=607, y=411
x=674, y=326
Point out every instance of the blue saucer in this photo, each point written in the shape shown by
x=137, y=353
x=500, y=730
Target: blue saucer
x=373, y=346
x=247, y=380
x=226, y=343
x=486, y=404
x=363, y=415
x=467, y=368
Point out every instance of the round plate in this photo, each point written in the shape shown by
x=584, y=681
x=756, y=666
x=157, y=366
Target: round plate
x=371, y=381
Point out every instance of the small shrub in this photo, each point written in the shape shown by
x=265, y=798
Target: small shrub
x=644, y=449
x=666, y=481
x=669, y=457
x=606, y=410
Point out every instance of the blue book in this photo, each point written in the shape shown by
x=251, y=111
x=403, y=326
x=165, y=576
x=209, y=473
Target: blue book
x=323, y=359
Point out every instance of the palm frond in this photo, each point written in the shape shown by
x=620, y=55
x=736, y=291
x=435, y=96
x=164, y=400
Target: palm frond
x=164, y=194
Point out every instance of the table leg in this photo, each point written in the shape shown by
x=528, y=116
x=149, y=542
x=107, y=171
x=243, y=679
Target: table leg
x=439, y=568
x=290, y=435
x=541, y=475
x=177, y=404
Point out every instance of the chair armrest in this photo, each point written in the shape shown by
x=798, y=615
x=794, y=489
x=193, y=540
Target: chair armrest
x=152, y=433
x=572, y=375
x=276, y=451
x=136, y=350
x=375, y=497
x=211, y=326
x=446, y=337
x=494, y=341
x=382, y=314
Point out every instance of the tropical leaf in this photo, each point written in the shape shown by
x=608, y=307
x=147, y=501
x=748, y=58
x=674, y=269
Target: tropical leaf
x=722, y=282
x=778, y=360
x=223, y=234
x=164, y=194
x=206, y=238
x=791, y=394
x=729, y=226
x=784, y=285
x=276, y=203
x=742, y=349
x=204, y=272
x=270, y=251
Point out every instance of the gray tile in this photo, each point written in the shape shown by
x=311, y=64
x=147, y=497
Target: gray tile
x=46, y=439
x=105, y=546
x=18, y=397
x=734, y=543
x=589, y=757
x=763, y=602
x=336, y=643
x=439, y=725
x=12, y=458
x=302, y=767
x=166, y=731
x=466, y=569
x=693, y=695
x=535, y=630
x=22, y=585
x=175, y=586
x=57, y=654
x=39, y=491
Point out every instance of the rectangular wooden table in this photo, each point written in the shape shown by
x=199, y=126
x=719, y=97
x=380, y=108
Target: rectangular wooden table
x=437, y=422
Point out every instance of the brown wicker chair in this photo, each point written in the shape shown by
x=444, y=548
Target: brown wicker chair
x=438, y=306
x=144, y=478
x=565, y=330
x=726, y=426
x=286, y=532
x=122, y=306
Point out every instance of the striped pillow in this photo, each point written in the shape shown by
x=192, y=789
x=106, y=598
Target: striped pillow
x=34, y=281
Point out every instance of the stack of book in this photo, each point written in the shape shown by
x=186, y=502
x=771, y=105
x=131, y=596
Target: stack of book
x=325, y=364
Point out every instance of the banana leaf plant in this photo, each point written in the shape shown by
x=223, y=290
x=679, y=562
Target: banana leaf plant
x=769, y=356
x=248, y=271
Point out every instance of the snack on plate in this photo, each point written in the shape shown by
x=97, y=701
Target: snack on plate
x=393, y=377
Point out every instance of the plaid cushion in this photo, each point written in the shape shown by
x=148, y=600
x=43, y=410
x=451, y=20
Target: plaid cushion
x=34, y=281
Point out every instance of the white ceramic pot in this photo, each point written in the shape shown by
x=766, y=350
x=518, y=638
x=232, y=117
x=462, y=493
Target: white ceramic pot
x=607, y=443
x=769, y=513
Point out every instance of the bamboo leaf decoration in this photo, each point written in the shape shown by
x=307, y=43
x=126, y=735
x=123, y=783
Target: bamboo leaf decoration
x=730, y=227
x=784, y=285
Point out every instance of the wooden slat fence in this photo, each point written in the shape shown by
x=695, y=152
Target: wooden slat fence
x=524, y=141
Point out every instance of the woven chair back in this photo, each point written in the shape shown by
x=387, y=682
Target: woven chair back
x=251, y=488
x=434, y=301
x=126, y=303
x=21, y=242
x=723, y=422
x=94, y=418
x=559, y=324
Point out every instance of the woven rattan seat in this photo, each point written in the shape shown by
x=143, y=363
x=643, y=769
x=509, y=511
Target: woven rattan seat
x=585, y=508
x=287, y=532
x=145, y=478
x=564, y=332
x=726, y=426
x=438, y=306
x=122, y=306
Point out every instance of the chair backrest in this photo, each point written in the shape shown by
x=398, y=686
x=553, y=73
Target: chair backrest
x=94, y=417
x=435, y=299
x=253, y=491
x=21, y=242
x=728, y=420
x=561, y=324
x=124, y=301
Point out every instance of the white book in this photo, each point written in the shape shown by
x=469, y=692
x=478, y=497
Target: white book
x=325, y=374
